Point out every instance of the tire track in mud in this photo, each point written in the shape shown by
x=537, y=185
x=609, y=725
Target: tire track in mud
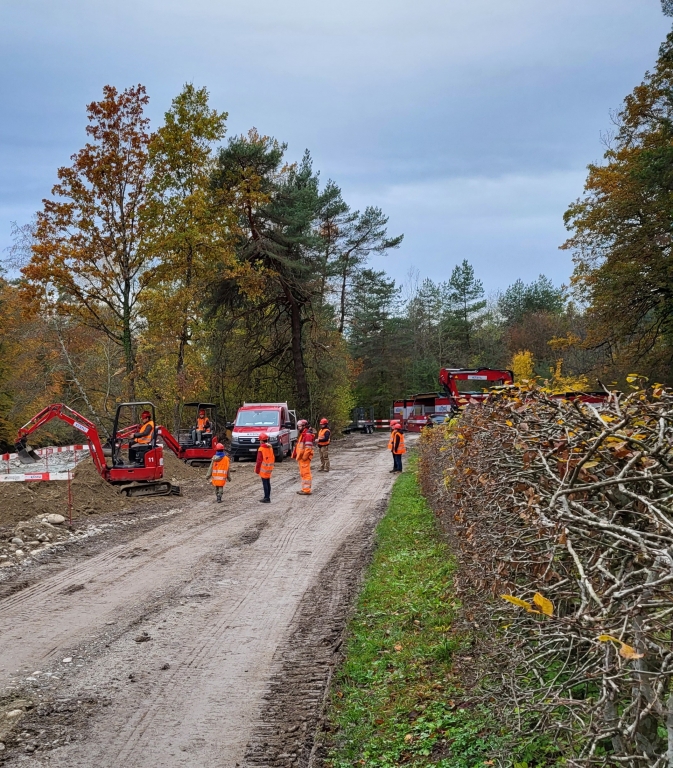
x=245, y=588
x=285, y=731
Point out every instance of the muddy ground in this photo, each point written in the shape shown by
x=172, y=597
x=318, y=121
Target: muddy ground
x=89, y=493
x=180, y=632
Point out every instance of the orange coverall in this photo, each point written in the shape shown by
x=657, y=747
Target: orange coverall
x=303, y=452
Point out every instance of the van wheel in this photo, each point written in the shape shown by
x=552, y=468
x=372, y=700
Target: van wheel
x=236, y=458
x=281, y=455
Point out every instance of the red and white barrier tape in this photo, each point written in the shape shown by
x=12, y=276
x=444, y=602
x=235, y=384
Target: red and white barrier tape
x=47, y=451
x=29, y=477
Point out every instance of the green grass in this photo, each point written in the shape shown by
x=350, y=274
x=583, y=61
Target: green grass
x=396, y=700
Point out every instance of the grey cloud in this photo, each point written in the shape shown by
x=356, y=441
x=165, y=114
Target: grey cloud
x=469, y=121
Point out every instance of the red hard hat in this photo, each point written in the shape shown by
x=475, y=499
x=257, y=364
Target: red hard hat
x=324, y=421
x=145, y=413
x=219, y=447
x=302, y=423
x=263, y=436
x=201, y=411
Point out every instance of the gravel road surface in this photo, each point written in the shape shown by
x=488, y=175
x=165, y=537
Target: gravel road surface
x=205, y=639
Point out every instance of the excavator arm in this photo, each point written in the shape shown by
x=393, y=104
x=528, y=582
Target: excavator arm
x=169, y=441
x=74, y=419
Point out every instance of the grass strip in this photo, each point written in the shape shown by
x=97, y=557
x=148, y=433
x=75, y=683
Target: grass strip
x=396, y=700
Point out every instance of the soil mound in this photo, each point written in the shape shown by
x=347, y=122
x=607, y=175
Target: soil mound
x=90, y=495
x=177, y=471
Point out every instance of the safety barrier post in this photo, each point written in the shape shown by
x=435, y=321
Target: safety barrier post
x=69, y=498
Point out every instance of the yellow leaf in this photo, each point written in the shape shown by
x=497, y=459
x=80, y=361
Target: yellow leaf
x=590, y=464
x=545, y=605
x=409, y=738
x=627, y=652
x=509, y=423
x=517, y=601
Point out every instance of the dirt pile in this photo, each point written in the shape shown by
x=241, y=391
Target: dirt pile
x=90, y=495
x=177, y=471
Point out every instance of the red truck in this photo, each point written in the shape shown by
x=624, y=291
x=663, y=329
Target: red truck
x=466, y=385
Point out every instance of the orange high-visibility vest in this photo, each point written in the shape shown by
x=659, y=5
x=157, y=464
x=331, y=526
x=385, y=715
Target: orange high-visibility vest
x=268, y=460
x=324, y=436
x=400, y=446
x=220, y=471
x=202, y=424
x=147, y=438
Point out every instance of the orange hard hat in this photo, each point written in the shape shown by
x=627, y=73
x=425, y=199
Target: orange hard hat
x=263, y=436
x=219, y=447
x=324, y=421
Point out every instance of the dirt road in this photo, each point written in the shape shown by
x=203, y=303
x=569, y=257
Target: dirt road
x=207, y=640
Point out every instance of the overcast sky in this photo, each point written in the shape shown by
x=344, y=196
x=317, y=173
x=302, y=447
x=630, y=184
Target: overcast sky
x=470, y=122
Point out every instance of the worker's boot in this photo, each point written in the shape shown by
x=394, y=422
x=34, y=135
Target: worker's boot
x=265, y=501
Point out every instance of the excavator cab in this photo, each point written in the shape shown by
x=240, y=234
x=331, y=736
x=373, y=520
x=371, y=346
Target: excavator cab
x=129, y=421
x=198, y=426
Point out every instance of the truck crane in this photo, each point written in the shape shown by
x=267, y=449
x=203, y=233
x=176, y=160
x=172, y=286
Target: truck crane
x=143, y=477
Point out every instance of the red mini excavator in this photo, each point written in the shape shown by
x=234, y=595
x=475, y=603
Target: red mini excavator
x=193, y=445
x=141, y=477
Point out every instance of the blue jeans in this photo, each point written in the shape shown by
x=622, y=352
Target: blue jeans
x=397, y=462
x=266, y=484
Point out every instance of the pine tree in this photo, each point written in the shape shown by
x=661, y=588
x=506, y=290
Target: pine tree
x=465, y=294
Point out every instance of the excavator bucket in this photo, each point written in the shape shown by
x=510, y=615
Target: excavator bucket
x=25, y=453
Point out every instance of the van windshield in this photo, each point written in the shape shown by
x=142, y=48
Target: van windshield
x=257, y=419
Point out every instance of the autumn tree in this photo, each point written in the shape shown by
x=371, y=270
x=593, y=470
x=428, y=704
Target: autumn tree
x=89, y=257
x=187, y=234
x=621, y=229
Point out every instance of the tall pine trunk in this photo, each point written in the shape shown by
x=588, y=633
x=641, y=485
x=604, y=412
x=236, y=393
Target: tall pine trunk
x=303, y=396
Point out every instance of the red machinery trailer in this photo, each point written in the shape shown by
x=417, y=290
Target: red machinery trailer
x=413, y=411
x=142, y=477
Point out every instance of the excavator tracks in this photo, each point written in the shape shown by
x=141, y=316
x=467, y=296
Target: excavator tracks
x=158, y=488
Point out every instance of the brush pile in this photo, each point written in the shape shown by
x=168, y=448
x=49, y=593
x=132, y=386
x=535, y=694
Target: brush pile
x=563, y=512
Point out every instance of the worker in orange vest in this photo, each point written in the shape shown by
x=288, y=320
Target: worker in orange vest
x=264, y=466
x=203, y=428
x=143, y=437
x=396, y=445
x=218, y=471
x=303, y=453
x=324, y=436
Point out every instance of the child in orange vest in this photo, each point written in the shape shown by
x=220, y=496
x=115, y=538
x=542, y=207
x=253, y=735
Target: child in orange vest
x=264, y=465
x=218, y=471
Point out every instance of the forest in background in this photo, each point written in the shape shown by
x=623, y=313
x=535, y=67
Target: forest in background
x=170, y=265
